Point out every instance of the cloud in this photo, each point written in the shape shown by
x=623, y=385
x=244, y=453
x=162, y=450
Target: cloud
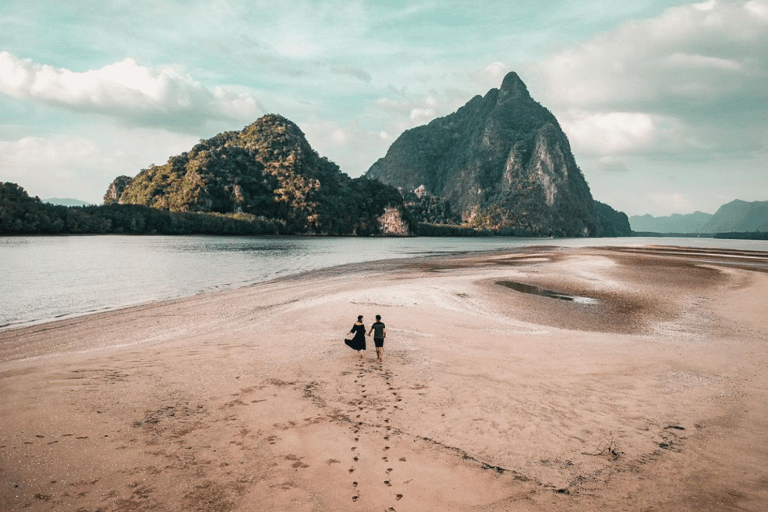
x=693, y=55
x=670, y=202
x=491, y=75
x=127, y=90
x=613, y=164
x=691, y=79
x=82, y=166
x=609, y=133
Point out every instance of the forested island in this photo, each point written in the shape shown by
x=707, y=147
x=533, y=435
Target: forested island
x=21, y=214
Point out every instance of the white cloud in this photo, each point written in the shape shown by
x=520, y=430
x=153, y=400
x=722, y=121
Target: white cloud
x=83, y=166
x=609, y=133
x=422, y=115
x=671, y=202
x=690, y=57
x=352, y=147
x=691, y=80
x=127, y=90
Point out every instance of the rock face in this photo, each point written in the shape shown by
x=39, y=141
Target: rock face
x=391, y=222
x=116, y=189
x=268, y=170
x=503, y=162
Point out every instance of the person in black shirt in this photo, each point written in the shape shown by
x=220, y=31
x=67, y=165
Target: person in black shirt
x=379, y=333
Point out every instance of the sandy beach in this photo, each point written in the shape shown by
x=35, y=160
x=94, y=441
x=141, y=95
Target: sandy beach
x=639, y=384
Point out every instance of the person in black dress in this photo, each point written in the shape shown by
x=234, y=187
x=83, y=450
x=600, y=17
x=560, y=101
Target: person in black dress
x=358, y=342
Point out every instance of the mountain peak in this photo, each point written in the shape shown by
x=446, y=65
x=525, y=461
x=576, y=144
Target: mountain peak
x=513, y=86
x=502, y=162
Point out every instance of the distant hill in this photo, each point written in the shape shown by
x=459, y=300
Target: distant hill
x=739, y=217
x=504, y=164
x=675, y=223
x=65, y=201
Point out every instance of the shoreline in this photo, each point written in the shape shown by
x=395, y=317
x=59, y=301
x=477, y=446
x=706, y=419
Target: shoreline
x=38, y=305
x=488, y=398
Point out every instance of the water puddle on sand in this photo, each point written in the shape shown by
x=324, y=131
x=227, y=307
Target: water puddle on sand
x=535, y=290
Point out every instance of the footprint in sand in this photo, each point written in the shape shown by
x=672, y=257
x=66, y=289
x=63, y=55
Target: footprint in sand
x=398, y=497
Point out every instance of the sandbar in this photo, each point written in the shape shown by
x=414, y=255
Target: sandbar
x=650, y=395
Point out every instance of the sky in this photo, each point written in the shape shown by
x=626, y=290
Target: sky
x=665, y=102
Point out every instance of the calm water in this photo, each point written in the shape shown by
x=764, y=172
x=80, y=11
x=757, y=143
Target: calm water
x=43, y=278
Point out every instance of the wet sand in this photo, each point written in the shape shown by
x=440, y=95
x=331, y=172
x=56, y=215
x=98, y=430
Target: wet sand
x=649, y=396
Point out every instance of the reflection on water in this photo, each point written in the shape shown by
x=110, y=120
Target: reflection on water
x=535, y=290
x=47, y=277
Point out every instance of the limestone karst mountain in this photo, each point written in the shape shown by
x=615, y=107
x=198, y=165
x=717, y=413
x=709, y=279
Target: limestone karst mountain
x=503, y=163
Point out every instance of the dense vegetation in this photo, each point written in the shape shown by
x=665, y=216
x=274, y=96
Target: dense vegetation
x=24, y=215
x=266, y=170
x=426, y=209
x=612, y=222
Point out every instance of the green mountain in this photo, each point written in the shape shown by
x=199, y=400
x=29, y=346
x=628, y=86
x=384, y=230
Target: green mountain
x=269, y=170
x=503, y=163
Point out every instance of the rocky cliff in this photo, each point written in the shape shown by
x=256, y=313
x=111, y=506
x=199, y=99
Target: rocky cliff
x=503, y=163
x=269, y=170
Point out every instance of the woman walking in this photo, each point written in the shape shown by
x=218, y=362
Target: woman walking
x=358, y=342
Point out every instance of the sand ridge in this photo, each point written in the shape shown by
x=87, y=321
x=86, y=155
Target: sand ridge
x=651, y=398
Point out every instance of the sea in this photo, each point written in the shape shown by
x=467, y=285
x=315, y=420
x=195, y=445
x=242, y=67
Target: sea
x=44, y=278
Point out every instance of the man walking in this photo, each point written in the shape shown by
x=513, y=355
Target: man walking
x=379, y=333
